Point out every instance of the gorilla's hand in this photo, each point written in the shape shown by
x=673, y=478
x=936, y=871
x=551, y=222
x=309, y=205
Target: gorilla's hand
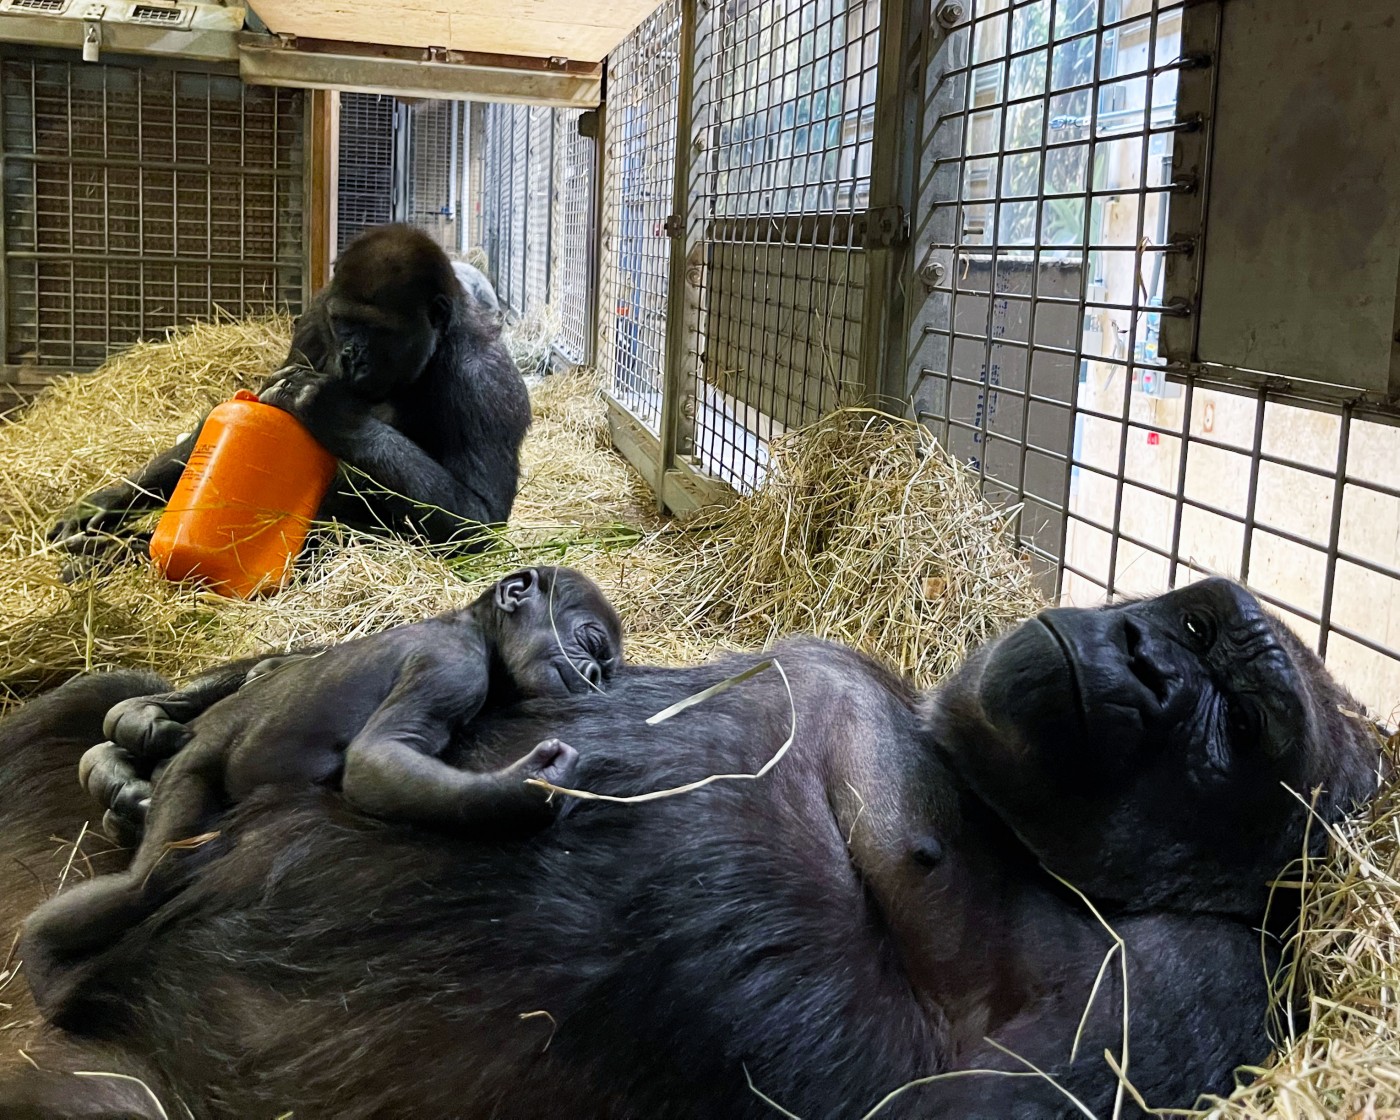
x=322, y=402
x=81, y=527
x=110, y=776
x=143, y=728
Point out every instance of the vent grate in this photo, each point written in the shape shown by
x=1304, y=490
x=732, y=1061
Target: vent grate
x=151, y=13
x=37, y=5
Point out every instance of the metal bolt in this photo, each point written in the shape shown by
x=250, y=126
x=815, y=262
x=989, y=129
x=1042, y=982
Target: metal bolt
x=932, y=274
x=950, y=14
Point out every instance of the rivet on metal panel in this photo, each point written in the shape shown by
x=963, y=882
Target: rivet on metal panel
x=932, y=270
x=1185, y=183
x=950, y=13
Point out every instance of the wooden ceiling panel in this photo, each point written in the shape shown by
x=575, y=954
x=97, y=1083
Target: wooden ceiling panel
x=579, y=30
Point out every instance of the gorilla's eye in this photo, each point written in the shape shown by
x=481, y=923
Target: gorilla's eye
x=1199, y=629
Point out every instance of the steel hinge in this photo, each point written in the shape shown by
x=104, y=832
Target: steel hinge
x=883, y=227
x=674, y=225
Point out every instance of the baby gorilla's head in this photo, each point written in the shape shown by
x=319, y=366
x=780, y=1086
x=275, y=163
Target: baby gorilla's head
x=556, y=632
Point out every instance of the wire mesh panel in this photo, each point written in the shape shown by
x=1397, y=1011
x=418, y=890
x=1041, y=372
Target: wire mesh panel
x=539, y=178
x=433, y=178
x=575, y=174
x=517, y=213
x=365, y=175
x=1049, y=161
x=643, y=79
x=493, y=204
x=788, y=96
x=139, y=197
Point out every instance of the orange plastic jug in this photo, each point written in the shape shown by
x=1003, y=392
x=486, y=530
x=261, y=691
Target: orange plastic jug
x=241, y=510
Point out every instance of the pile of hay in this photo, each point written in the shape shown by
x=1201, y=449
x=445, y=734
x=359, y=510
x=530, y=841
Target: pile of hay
x=1341, y=1059
x=868, y=534
x=864, y=532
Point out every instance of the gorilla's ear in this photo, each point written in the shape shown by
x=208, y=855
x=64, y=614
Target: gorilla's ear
x=440, y=312
x=516, y=588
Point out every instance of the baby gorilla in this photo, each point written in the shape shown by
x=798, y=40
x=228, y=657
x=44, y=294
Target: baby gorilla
x=375, y=715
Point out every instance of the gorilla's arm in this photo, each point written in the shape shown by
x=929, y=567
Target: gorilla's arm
x=417, y=488
x=421, y=489
x=105, y=510
x=1196, y=997
x=393, y=767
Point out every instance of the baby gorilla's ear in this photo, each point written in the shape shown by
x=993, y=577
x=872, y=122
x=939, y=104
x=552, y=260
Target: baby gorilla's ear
x=515, y=588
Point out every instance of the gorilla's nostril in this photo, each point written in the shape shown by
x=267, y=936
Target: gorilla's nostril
x=1140, y=664
x=592, y=674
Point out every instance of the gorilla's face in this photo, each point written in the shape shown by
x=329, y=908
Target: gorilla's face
x=392, y=298
x=379, y=350
x=1157, y=751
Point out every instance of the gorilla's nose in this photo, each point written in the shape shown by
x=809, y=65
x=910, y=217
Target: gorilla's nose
x=1121, y=663
x=1145, y=660
x=592, y=673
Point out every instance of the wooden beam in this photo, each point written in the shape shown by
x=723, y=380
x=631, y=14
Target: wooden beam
x=577, y=29
x=403, y=72
x=323, y=173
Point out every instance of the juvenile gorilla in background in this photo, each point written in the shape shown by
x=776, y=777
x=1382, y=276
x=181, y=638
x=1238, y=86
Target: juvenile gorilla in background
x=401, y=375
x=889, y=903
x=372, y=716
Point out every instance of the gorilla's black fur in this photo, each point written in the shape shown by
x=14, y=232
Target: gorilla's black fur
x=403, y=377
x=885, y=905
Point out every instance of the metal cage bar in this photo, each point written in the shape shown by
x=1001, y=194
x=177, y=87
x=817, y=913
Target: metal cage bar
x=643, y=76
x=785, y=104
x=575, y=235
x=138, y=197
x=365, y=174
x=539, y=180
x=1053, y=145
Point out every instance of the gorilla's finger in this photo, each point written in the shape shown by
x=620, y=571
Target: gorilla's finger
x=142, y=726
x=122, y=830
x=110, y=777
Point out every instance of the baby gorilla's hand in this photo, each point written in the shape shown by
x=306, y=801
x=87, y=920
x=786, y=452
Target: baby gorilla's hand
x=552, y=761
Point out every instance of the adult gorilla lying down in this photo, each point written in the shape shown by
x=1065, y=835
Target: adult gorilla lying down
x=892, y=901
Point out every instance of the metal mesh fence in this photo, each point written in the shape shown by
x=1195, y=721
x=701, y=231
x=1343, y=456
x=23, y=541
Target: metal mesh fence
x=575, y=175
x=493, y=205
x=1047, y=173
x=136, y=198
x=787, y=93
x=435, y=170
x=643, y=78
x=365, y=175
x=540, y=185
x=517, y=213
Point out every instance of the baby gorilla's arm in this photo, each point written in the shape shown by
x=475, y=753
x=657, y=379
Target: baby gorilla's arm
x=392, y=768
